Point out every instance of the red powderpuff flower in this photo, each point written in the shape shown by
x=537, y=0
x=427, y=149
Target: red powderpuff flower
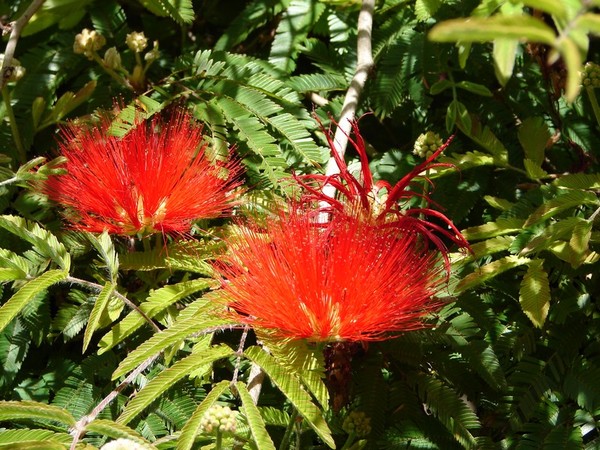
x=378, y=202
x=344, y=281
x=156, y=178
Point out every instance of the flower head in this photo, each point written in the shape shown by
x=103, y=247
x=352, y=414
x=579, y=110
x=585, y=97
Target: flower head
x=378, y=202
x=346, y=280
x=156, y=178
x=137, y=42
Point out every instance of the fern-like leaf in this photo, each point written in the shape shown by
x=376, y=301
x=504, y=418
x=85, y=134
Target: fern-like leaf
x=169, y=377
x=292, y=388
x=257, y=426
x=100, y=305
x=27, y=293
x=11, y=410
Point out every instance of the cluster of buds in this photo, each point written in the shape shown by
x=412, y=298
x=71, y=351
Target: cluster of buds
x=219, y=419
x=122, y=444
x=357, y=423
x=590, y=77
x=16, y=70
x=88, y=43
x=427, y=143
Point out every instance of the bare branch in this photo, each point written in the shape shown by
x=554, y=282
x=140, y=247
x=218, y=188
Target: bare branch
x=364, y=64
x=16, y=28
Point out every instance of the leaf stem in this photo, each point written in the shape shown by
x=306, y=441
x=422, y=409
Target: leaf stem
x=594, y=101
x=97, y=287
x=9, y=181
x=13, y=125
x=285, y=441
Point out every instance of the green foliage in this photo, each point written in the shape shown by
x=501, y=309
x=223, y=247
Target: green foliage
x=122, y=337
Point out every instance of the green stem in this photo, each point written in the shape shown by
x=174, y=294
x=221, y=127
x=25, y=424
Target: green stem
x=219, y=441
x=13, y=125
x=285, y=441
x=594, y=101
x=349, y=441
x=123, y=81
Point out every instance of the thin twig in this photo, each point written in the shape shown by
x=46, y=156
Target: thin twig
x=255, y=380
x=97, y=287
x=238, y=361
x=16, y=27
x=364, y=64
x=78, y=429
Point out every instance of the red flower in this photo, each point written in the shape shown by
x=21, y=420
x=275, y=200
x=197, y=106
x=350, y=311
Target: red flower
x=378, y=202
x=345, y=281
x=156, y=178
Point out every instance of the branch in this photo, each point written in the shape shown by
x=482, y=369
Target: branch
x=15, y=28
x=364, y=64
x=79, y=428
x=98, y=287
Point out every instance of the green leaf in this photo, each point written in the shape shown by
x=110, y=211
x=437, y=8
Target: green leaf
x=533, y=135
x=534, y=293
x=553, y=232
x=294, y=26
x=440, y=86
x=491, y=229
x=168, y=377
x=104, y=245
x=24, y=436
x=489, y=271
x=34, y=445
x=192, y=427
x=579, y=242
x=28, y=410
x=487, y=29
x=68, y=102
x=589, y=181
x=257, y=426
x=157, y=301
x=573, y=58
x=116, y=430
x=181, y=11
x=498, y=203
x=44, y=242
x=195, y=318
x=425, y=9
x=27, y=293
x=565, y=199
x=292, y=388
x=474, y=88
x=99, y=306
x=318, y=82
x=505, y=52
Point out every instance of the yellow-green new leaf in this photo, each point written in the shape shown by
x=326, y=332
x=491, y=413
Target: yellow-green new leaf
x=257, y=425
x=192, y=427
x=487, y=29
x=117, y=431
x=23, y=296
x=492, y=229
x=287, y=382
x=155, y=303
x=28, y=410
x=197, y=319
x=534, y=294
x=564, y=200
x=169, y=377
x=489, y=271
x=505, y=52
x=99, y=306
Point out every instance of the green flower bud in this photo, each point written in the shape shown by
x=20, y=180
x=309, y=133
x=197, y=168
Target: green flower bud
x=87, y=42
x=590, y=77
x=358, y=423
x=220, y=418
x=427, y=143
x=137, y=42
x=112, y=59
x=153, y=54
